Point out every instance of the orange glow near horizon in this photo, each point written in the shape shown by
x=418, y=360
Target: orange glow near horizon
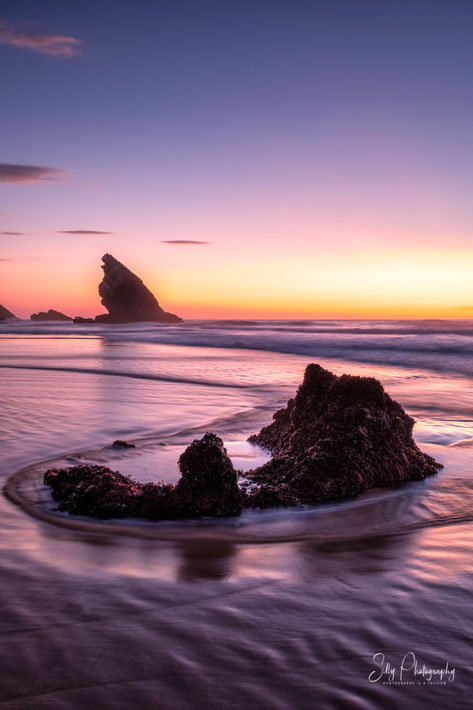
x=369, y=284
x=247, y=163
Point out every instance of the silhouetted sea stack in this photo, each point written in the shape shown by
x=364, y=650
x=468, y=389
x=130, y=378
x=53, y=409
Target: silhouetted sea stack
x=5, y=314
x=126, y=297
x=50, y=315
x=338, y=437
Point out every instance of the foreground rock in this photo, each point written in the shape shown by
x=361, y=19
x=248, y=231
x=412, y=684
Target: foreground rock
x=208, y=483
x=50, y=315
x=5, y=314
x=208, y=487
x=95, y=491
x=336, y=438
x=126, y=297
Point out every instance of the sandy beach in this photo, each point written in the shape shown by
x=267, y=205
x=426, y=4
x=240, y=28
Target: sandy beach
x=280, y=608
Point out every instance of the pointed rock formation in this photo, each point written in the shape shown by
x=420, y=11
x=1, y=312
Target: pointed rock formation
x=208, y=483
x=126, y=297
x=336, y=438
x=5, y=314
x=50, y=315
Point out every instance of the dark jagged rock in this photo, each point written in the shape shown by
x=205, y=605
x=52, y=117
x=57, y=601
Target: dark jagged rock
x=336, y=438
x=208, y=487
x=99, y=492
x=80, y=320
x=208, y=483
x=126, y=297
x=5, y=314
x=120, y=444
x=50, y=315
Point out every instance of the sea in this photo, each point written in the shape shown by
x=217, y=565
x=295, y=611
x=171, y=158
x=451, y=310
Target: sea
x=362, y=603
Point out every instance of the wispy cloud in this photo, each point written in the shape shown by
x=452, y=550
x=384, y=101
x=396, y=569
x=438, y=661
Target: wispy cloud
x=23, y=258
x=55, y=45
x=27, y=173
x=12, y=234
x=82, y=231
x=182, y=241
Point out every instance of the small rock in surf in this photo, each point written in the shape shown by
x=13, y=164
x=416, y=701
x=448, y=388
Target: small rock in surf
x=120, y=444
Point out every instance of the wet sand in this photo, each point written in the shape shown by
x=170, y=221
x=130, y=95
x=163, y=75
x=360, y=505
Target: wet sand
x=274, y=609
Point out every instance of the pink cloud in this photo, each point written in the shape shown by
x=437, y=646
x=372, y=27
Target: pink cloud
x=55, y=45
x=182, y=241
x=82, y=231
x=10, y=172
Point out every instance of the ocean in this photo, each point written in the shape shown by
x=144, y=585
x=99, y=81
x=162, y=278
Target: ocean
x=363, y=603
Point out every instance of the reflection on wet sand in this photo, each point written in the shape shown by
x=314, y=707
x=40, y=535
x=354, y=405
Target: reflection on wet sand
x=205, y=561
x=346, y=559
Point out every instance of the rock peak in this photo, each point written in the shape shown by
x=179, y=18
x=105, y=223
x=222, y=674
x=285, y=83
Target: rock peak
x=5, y=314
x=337, y=437
x=126, y=297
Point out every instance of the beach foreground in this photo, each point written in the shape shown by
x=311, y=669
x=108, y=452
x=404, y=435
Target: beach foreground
x=277, y=608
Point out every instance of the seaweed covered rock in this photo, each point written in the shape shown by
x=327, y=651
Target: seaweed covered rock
x=208, y=483
x=208, y=487
x=92, y=490
x=336, y=438
x=99, y=492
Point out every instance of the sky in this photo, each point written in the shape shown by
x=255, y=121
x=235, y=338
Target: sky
x=320, y=152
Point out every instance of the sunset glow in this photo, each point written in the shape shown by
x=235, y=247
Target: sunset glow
x=236, y=372
x=371, y=284
x=242, y=185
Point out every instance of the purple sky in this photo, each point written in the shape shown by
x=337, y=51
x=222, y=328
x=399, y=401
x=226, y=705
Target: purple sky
x=323, y=149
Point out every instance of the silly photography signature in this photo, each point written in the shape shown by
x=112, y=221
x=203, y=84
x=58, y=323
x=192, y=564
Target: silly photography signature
x=409, y=672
